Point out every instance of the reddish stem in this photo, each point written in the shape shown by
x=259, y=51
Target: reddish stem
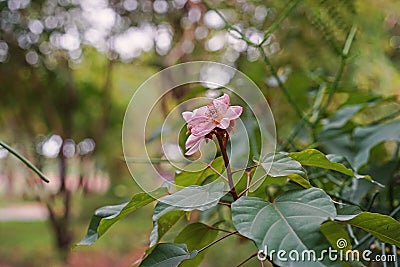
x=222, y=137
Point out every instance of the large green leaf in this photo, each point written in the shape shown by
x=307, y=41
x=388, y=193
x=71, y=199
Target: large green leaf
x=189, y=198
x=196, y=236
x=168, y=255
x=188, y=177
x=290, y=223
x=381, y=226
x=105, y=217
x=281, y=165
x=315, y=158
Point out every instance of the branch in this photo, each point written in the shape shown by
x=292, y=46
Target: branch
x=281, y=17
x=217, y=172
x=216, y=241
x=25, y=161
x=282, y=86
x=343, y=62
x=246, y=168
x=253, y=184
x=273, y=27
x=247, y=259
x=219, y=229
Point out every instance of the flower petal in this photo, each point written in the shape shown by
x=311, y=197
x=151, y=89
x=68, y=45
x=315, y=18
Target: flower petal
x=198, y=119
x=224, y=123
x=220, y=106
x=233, y=112
x=197, y=142
x=201, y=111
x=192, y=140
x=203, y=128
x=187, y=115
x=225, y=99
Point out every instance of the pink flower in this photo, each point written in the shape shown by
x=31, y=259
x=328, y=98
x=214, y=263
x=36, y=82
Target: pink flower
x=203, y=120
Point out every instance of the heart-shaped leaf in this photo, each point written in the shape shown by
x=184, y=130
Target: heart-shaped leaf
x=290, y=223
x=168, y=255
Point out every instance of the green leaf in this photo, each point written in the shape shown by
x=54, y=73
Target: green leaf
x=356, y=146
x=336, y=235
x=365, y=138
x=361, y=98
x=381, y=226
x=291, y=222
x=347, y=213
x=189, y=198
x=105, y=217
x=339, y=240
x=342, y=160
x=282, y=165
x=164, y=224
x=315, y=158
x=342, y=116
x=186, y=178
x=168, y=255
x=196, y=236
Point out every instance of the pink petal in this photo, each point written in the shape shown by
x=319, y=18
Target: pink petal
x=203, y=128
x=192, y=140
x=233, y=112
x=196, y=143
x=187, y=115
x=220, y=106
x=195, y=120
x=201, y=111
x=224, y=123
x=225, y=99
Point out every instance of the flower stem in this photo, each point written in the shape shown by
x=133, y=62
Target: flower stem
x=222, y=137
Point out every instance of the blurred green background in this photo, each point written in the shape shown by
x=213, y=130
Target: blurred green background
x=68, y=69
